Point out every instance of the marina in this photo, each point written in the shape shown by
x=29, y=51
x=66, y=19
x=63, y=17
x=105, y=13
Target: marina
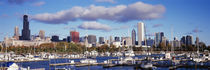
x=180, y=61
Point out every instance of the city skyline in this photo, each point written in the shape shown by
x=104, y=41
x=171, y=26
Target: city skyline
x=112, y=27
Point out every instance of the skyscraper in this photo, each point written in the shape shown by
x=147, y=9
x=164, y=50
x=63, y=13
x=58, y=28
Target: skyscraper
x=150, y=42
x=92, y=39
x=133, y=37
x=158, y=38
x=16, y=33
x=74, y=36
x=42, y=34
x=101, y=40
x=197, y=42
x=140, y=33
x=26, y=30
x=189, y=40
x=183, y=40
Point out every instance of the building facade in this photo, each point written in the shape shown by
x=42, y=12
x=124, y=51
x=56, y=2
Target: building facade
x=141, y=34
x=26, y=31
x=74, y=36
x=16, y=33
x=42, y=34
x=91, y=39
x=133, y=37
x=101, y=40
x=189, y=40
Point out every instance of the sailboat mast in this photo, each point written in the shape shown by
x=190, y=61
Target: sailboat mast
x=172, y=44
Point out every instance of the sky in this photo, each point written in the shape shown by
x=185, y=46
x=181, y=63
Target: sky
x=108, y=17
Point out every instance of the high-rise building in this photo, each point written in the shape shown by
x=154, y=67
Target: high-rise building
x=176, y=42
x=164, y=41
x=140, y=33
x=55, y=38
x=183, y=40
x=158, y=38
x=150, y=42
x=74, y=36
x=189, y=40
x=101, y=40
x=117, y=39
x=26, y=31
x=197, y=41
x=16, y=33
x=91, y=39
x=42, y=34
x=128, y=41
x=133, y=37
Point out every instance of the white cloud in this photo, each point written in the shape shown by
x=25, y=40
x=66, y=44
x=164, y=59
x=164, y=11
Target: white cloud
x=119, y=13
x=110, y=1
x=38, y=3
x=93, y=25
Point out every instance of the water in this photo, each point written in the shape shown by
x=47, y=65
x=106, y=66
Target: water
x=45, y=64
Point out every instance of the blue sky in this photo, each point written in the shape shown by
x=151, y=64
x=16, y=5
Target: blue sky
x=186, y=17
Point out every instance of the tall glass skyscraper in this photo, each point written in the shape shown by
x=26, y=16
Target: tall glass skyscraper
x=158, y=38
x=189, y=40
x=26, y=30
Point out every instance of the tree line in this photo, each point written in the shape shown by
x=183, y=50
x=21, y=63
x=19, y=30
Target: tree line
x=72, y=48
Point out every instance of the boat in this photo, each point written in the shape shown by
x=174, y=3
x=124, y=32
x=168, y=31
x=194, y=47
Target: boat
x=89, y=61
x=129, y=53
x=147, y=66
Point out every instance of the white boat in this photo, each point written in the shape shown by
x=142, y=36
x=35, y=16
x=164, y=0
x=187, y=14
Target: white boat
x=88, y=61
x=14, y=66
x=168, y=55
x=72, y=61
x=197, y=59
x=129, y=53
x=147, y=66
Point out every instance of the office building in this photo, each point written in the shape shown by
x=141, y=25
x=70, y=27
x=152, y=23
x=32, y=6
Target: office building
x=183, y=40
x=197, y=42
x=91, y=39
x=101, y=40
x=74, y=36
x=133, y=37
x=150, y=42
x=158, y=38
x=141, y=34
x=189, y=40
x=42, y=34
x=26, y=31
x=16, y=33
x=128, y=41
